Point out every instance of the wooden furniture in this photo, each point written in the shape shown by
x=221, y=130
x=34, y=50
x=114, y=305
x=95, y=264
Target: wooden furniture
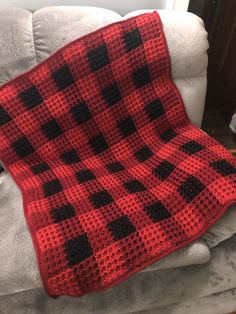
x=220, y=21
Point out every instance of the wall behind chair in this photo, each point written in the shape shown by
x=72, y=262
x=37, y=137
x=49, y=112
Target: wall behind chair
x=120, y=6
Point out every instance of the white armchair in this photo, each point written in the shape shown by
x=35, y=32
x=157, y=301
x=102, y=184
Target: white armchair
x=25, y=40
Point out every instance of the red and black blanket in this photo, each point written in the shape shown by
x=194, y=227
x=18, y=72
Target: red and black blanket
x=113, y=174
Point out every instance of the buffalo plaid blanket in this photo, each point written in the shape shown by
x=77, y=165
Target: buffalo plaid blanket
x=113, y=174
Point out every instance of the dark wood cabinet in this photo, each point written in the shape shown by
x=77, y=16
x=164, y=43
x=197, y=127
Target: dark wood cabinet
x=220, y=21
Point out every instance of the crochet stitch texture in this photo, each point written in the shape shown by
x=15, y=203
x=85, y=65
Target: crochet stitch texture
x=113, y=174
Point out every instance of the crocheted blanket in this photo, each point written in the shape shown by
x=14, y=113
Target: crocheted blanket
x=113, y=174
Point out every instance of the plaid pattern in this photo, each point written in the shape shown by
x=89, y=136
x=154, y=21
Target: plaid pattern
x=113, y=174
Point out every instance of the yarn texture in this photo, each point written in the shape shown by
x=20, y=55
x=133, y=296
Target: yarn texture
x=113, y=174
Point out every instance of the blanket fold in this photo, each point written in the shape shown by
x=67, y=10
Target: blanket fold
x=113, y=174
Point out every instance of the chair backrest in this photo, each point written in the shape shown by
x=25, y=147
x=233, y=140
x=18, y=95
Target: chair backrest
x=27, y=38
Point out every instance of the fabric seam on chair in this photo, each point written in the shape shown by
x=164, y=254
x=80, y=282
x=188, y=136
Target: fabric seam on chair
x=32, y=26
